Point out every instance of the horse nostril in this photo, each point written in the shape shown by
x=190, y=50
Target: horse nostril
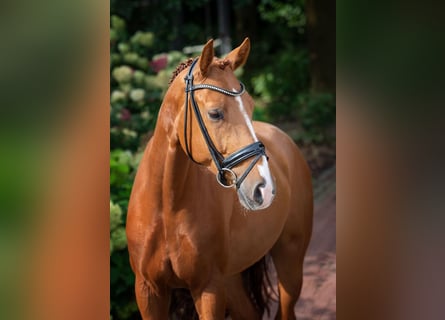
x=258, y=195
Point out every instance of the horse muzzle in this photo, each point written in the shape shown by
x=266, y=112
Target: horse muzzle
x=257, y=191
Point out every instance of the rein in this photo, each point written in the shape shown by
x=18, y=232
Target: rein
x=223, y=165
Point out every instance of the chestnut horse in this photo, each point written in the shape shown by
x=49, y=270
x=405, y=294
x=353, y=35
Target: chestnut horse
x=186, y=229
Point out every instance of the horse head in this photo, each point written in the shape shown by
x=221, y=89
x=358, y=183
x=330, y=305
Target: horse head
x=214, y=126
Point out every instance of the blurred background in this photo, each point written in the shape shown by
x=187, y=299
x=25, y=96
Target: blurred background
x=290, y=74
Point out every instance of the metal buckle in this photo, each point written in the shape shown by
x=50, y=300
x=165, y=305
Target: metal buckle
x=223, y=180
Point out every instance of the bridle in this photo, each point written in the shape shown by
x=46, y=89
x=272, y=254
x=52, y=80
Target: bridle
x=223, y=165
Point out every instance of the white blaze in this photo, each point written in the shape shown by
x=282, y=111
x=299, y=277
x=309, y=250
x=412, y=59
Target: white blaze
x=246, y=117
x=263, y=168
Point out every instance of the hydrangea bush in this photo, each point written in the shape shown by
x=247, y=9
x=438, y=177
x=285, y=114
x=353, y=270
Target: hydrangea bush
x=139, y=79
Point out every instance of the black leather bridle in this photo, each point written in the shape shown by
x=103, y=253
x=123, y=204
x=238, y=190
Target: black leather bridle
x=224, y=165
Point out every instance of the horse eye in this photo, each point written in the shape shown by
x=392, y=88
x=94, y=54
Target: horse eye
x=215, y=115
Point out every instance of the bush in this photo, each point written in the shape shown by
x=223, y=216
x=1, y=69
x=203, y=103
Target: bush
x=123, y=166
x=137, y=84
x=316, y=112
x=283, y=91
x=280, y=82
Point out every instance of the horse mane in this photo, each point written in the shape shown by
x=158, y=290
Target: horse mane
x=183, y=65
x=222, y=64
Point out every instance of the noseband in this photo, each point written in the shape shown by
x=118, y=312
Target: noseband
x=225, y=176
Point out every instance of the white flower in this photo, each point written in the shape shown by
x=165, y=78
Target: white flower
x=117, y=23
x=117, y=96
x=129, y=133
x=137, y=95
x=122, y=74
x=115, y=215
x=143, y=38
x=145, y=115
x=131, y=57
x=123, y=47
x=139, y=76
x=119, y=238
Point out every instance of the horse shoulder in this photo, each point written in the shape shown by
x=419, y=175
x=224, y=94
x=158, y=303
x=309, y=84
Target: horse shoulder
x=144, y=226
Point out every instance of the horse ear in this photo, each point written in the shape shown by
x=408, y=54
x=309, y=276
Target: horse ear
x=238, y=56
x=206, y=57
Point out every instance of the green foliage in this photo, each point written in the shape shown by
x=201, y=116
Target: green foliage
x=283, y=89
x=132, y=112
x=118, y=239
x=166, y=19
x=291, y=13
x=123, y=166
x=316, y=112
x=123, y=301
x=279, y=83
x=138, y=84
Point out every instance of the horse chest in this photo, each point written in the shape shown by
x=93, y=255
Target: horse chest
x=221, y=234
x=196, y=240
x=252, y=236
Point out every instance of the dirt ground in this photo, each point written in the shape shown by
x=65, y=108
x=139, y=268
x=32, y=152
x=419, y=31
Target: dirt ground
x=318, y=296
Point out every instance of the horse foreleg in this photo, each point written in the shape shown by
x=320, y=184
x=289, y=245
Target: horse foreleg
x=288, y=256
x=238, y=302
x=152, y=305
x=210, y=301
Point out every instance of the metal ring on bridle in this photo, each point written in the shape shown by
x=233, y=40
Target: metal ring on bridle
x=221, y=179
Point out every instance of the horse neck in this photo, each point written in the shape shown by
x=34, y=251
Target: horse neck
x=168, y=165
